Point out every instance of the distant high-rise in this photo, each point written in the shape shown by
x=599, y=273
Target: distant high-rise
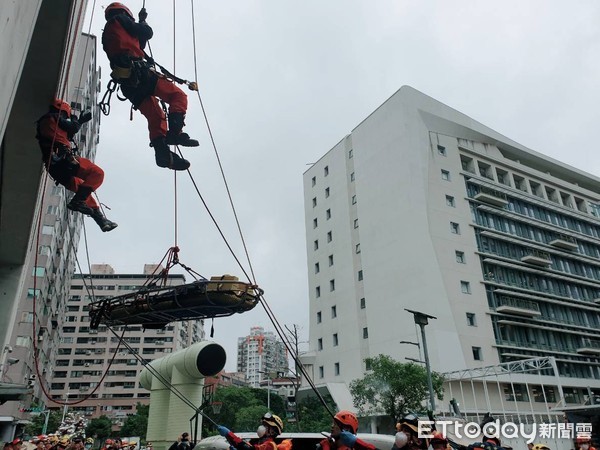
x=84, y=354
x=422, y=207
x=260, y=356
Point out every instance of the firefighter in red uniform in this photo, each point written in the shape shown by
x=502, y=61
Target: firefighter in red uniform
x=271, y=427
x=584, y=443
x=343, y=434
x=55, y=129
x=124, y=40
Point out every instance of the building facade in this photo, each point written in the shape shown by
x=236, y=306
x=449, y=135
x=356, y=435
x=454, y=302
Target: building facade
x=50, y=260
x=84, y=355
x=261, y=355
x=423, y=208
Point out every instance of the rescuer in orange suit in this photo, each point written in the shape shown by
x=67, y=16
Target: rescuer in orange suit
x=271, y=427
x=124, y=40
x=343, y=434
x=55, y=129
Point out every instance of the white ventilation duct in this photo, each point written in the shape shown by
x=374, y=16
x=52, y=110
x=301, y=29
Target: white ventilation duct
x=185, y=370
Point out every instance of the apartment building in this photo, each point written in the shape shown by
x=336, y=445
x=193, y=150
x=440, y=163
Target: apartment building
x=261, y=355
x=84, y=355
x=50, y=258
x=421, y=207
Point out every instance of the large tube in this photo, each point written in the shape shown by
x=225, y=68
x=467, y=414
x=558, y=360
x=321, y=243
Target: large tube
x=185, y=370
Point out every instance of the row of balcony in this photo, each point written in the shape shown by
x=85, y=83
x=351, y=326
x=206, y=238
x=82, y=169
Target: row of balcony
x=588, y=347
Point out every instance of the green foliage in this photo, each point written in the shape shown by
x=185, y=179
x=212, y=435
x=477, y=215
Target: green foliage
x=99, y=428
x=393, y=388
x=313, y=416
x=136, y=424
x=37, y=423
x=243, y=407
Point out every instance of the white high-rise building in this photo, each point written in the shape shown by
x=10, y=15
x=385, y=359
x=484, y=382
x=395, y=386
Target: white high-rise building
x=421, y=207
x=261, y=355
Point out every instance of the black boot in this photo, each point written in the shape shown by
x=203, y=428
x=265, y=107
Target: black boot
x=104, y=224
x=78, y=203
x=166, y=158
x=175, y=136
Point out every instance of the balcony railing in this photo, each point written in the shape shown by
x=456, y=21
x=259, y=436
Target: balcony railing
x=564, y=241
x=589, y=347
x=517, y=306
x=537, y=257
x=533, y=346
x=492, y=196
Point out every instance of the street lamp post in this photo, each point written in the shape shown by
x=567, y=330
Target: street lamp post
x=421, y=319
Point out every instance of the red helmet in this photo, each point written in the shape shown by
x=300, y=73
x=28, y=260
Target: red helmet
x=582, y=439
x=116, y=6
x=347, y=419
x=61, y=106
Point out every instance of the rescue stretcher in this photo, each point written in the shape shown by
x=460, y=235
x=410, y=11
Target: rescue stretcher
x=154, y=307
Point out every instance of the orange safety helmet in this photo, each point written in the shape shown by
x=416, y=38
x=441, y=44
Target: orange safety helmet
x=346, y=419
x=116, y=6
x=582, y=439
x=61, y=105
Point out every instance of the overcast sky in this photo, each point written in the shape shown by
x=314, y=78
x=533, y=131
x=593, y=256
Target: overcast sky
x=283, y=81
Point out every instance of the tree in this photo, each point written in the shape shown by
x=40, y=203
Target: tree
x=37, y=423
x=99, y=428
x=136, y=424
x=313, y=417
x=393, y=388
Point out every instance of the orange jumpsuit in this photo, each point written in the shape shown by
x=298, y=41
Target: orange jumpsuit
x=265, y=443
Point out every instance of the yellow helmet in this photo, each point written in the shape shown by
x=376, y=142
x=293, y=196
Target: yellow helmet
x=64, y=441
x=273, y=421
x=540, y=447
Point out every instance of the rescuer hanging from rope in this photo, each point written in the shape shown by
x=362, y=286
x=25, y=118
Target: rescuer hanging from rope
x=55, y=130
x=124, y=40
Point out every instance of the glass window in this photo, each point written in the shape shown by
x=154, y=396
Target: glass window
x=316, y=244
x=314, y=181
x=318, y=291
x=315, y=223
x=354, y=199
x=441, y=150
x=350, y=154
x=317, y=268
x=330, y=260
x=352, y=176
x=471, y=321
x=445, y=175
x=363, y=303
x=320, y=344
x=333, y=312
x=450, y=201
x=454, y=228
x=465, y=287
x=314, y=201
x=336, y=368
x=329, y=236
x=328, y=214
x=48, y=230
x=326, y=171
x=477, y=353
x=319, y=317
x=326, y=192
x=39, y=271
x=365, y=333
x=335, y=339
x=357, y=248
x=360, y=275
x=460, y=256
x=331, y=285
x=31, y=292
x=321, y=372
x=355, y=223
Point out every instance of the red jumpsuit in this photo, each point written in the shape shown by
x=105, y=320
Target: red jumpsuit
x=327, y=444
x=265, y=443
x=123, y=40
x=71, y=171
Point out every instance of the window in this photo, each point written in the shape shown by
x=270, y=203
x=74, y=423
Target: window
x=23, y=341
x=450, y=201
x=363, y=303
x=328, y=214
x=354, y=199
x=336, y=368
x=350, y=154
x=326, y=192
x=56, y=190
x=315, y=223
x=465, y=287
x=357, y=248
x=326, y=171
x=331, y=285
x=319, y=317
x=39, y=271
x=320, y=344
x=321, y=372
x=44, y=250
x=316, y=244
x=314, y=201
x=335, y=339
x=330, y=260
x=360, y=275
x=27, y=317
x=445, y=175
x=317, y=268
x=352, y=176
x=441, y=150
x=318, y=291
x=329, y=236
x=314, y=181
x=477, y=353
x=455, y=228
x=460, y=256
x=368, y=364
x=333, y=312
x=355, y=223
x=365, y=333
x=471, y=320
x=52, y=209
x=31, y=293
